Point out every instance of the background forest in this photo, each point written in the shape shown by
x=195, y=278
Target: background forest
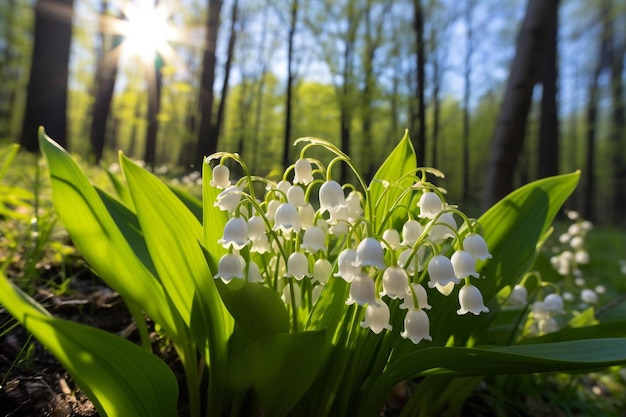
x=494, y=93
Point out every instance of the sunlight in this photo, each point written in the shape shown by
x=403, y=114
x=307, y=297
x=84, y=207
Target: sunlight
x=147, y=30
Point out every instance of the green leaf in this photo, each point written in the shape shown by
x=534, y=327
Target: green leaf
x=97, y=236
x=282, y=367
x=383, y=194
x=119, y=377
x=571, y=356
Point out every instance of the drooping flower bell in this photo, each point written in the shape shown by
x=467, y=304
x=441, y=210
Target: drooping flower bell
x=322, y=270
x=416, y=262
x=441, y=271
x=475, y=244
x=228, y=199
x=395, y=283
x=392, y=237
x=553, y=303
x=303, y=172
x=355, y=208
x=362, y=290
x=370, y=253
x=416, y=326
x=471, y=301
x=377, y=317
x=295, y=195
x=306, y=214
x=444, y=228
x=411, y=231
x=519, y=296
x=314, y=239
x=221, y=177
x=419, y=292
x=589, y=296
x=235, y=233
x=331, y=197
x=297, y=266
x=230, y=266
x=345, y=267
x=464, y=264
x=256, y=227
x=430, y=205
x=286, y=218
x=254, y=273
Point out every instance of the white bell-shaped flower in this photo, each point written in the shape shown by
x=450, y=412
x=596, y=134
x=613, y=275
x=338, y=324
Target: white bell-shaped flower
x=441, y=271
x=464, y=264
x=355, y=208
x=322, y=270
x=283, y=186
x=395, y=283
x=519, y=296
x=230, y=266
x=475, y=244
x=339, y=229
x=430, y=205
x=295, y=195
x=471, y=301
x=553, y=303
x=235, y=233
x=589, y=296
x=221, y=177
x=362, y=290
x=314, y=239
x=419, y=292
x=297, y=266
x=331, y=197
x=286, y=218
x=272, y=206
x=286, y=295
x=346, y=269
x=416, y=262
x=254, y=273
x=377, y=317
x=256, y=227
x=307, y=216
x=370, y=253
x=228, y=199
x=260, y=245
x=392, y=237
x=303, y=172
x=340, y=215
x=582, y=257
x=444, y=228
x=547, y=325
x=411, y=231
x=416, y=326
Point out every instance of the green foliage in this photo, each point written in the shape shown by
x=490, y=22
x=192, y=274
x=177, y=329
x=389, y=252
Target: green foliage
x=297, y=355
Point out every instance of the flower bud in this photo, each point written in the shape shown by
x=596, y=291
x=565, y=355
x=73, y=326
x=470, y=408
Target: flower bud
x=411, y=231
x=377, y=317
x=331, y=197
x=519, y=296
x=475, y=244
x=314, y=239
x=430, y=205
x=295, y=195
x=346, y=269
x=322, y=270
x=303, y=172
x=392, y=237
x=589, y=296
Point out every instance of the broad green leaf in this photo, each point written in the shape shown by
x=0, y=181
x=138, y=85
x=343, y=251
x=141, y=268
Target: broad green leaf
x=119, y=377
x=97, y=236
x=571, y=356
x=383, y=194
x=172, y=233
x=282, y=367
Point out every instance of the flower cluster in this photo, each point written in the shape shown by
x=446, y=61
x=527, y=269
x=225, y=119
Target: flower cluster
x=308, y=229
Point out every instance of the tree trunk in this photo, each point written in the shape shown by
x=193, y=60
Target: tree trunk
x=232, y=39
x=290, y=80
x=510, y=129
x=206, y=146
x=155, y=81
x=548, y=148
x=46, y=102
x=419, y=141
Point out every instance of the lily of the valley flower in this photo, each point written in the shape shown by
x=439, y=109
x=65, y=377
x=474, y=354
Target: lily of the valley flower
x=345, y=269
x=331, y=197
x=395, y=283
x=362, y=290
x=430, y=205
x=322, y=270
x=297, y=266
x=254, y=273
x=286, y=218
x=295, y=195
x=221, y=175
x=475, y=244
x=471, y=301
x=443, y=228
x=377, y=317
x=235, y=233
x=306, y=214
x=370, y=253
x=422, y=298
x=519, y=296
x=416, y=326
x=411, y=231
x=464, y=264
x=303, y=172
x=230, y=266
x=392, y=237
x=314, y=239
x=228, y=199
x=441, y=271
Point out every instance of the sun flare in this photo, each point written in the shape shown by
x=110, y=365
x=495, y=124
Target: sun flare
x=147, y=31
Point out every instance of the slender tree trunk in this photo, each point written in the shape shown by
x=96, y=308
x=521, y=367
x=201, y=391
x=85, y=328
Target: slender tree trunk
x=206, y=146
x=215, y=132
x=436, y=112
x=548, y=158
x=290, y=81
x=419, y=141
x=155, y=81
x=46, y=102
x=510, y=129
